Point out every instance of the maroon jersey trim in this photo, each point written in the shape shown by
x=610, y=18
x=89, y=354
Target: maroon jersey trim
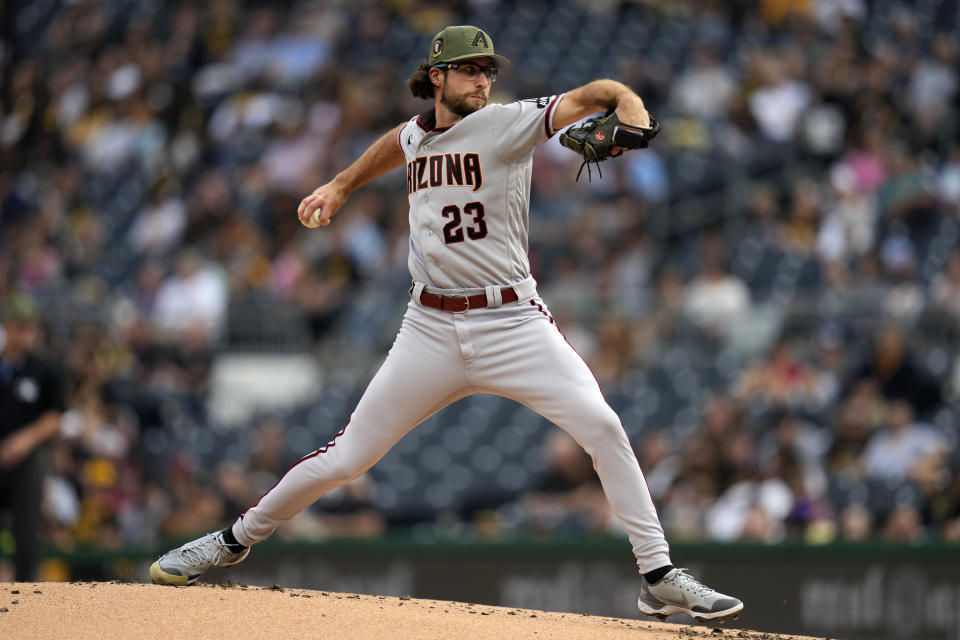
x=548, y=116
x=428, y=121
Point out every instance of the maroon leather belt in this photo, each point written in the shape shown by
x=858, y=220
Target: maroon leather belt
x=462, y=304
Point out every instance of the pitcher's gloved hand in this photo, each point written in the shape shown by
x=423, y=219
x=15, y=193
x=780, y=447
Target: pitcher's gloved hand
x=595, y=139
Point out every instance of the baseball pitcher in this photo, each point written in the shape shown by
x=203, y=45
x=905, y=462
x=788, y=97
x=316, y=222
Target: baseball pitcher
x=475, y=322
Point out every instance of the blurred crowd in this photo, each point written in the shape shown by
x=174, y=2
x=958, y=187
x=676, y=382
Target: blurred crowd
x=782, y=262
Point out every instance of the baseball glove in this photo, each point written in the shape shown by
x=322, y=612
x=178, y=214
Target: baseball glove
x=595, y=138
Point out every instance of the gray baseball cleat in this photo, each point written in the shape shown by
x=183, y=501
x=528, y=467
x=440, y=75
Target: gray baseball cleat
x=679, y=592
x=185, y=564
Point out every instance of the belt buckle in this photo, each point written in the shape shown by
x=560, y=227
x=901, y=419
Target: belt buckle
x=464, y=298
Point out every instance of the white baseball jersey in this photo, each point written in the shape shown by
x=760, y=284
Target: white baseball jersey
x=469, y=189
x=469, y=192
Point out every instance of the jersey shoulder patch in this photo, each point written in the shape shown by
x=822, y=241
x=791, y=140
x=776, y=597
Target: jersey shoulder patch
x=540, y=102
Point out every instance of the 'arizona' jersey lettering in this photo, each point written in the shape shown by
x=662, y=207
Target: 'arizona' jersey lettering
x=448, y=169
x=469, y=192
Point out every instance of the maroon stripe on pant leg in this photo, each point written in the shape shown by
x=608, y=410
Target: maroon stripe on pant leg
x=323, y=449
x=533, y=303
x=538, y=306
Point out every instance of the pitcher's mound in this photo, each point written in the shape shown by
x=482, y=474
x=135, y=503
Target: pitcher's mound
x=235, y=612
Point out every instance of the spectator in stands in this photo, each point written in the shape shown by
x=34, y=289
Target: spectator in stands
x=905, y=299
x=700, y=478
x=948, y=182
x=61, y=497
x=159, y=225
x=194, y=504
x=98, y=430
x=866, y=287
x=938, y=484
x=858, y=417
x=896, y=450
x=323, y=292
x=945, y=289
x=682, y=511
x=899, y=377
x=706, y=88
x=753, y=508
x=346, y=512
x=38, y=260
x=716, y=300
x=779, y=99
x=614, y=353
x=269, y=458
x=630, y=271
x=945, y=504
x=934, y=80
x=829, y=364
x=668, y=306
x=762, y=208
x=659, y=461
x=904, y=525
x=647, y=177
x=192, y=298
x=802, y=440
x=849, y=222
x=907, y=195
x=84, y=248
x=867, y=160
x=799, y=230
x=567, y=495
x=781, y=380
x=951, y=531
x=856, y=523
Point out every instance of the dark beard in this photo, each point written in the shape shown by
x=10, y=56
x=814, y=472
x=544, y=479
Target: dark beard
x=459, y=106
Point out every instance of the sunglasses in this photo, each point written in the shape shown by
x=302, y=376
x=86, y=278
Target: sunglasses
x=470, y=69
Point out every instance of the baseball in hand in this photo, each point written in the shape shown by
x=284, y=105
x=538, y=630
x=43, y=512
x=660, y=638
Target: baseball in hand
x=315, y=218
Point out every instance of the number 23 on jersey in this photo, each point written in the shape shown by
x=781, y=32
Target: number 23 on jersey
x=453, y=231
x=451, y=169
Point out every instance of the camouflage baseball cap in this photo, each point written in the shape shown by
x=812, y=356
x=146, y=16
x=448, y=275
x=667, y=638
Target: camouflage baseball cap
x=461, y=43
x=18, y=309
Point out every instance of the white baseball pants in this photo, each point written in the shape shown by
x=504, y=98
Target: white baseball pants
x=438, y=357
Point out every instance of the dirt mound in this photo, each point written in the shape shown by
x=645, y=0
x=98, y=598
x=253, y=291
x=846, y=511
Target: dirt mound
x=112, y=610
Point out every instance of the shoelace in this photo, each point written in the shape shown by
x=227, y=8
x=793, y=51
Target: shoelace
x=688, y=583
x=587, y=163
x=196, y=555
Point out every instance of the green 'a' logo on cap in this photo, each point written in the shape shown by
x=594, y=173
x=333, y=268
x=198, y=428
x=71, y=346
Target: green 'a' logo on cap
x=480, y=40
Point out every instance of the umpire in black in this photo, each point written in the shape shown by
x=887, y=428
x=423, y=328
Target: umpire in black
x=31, y=403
